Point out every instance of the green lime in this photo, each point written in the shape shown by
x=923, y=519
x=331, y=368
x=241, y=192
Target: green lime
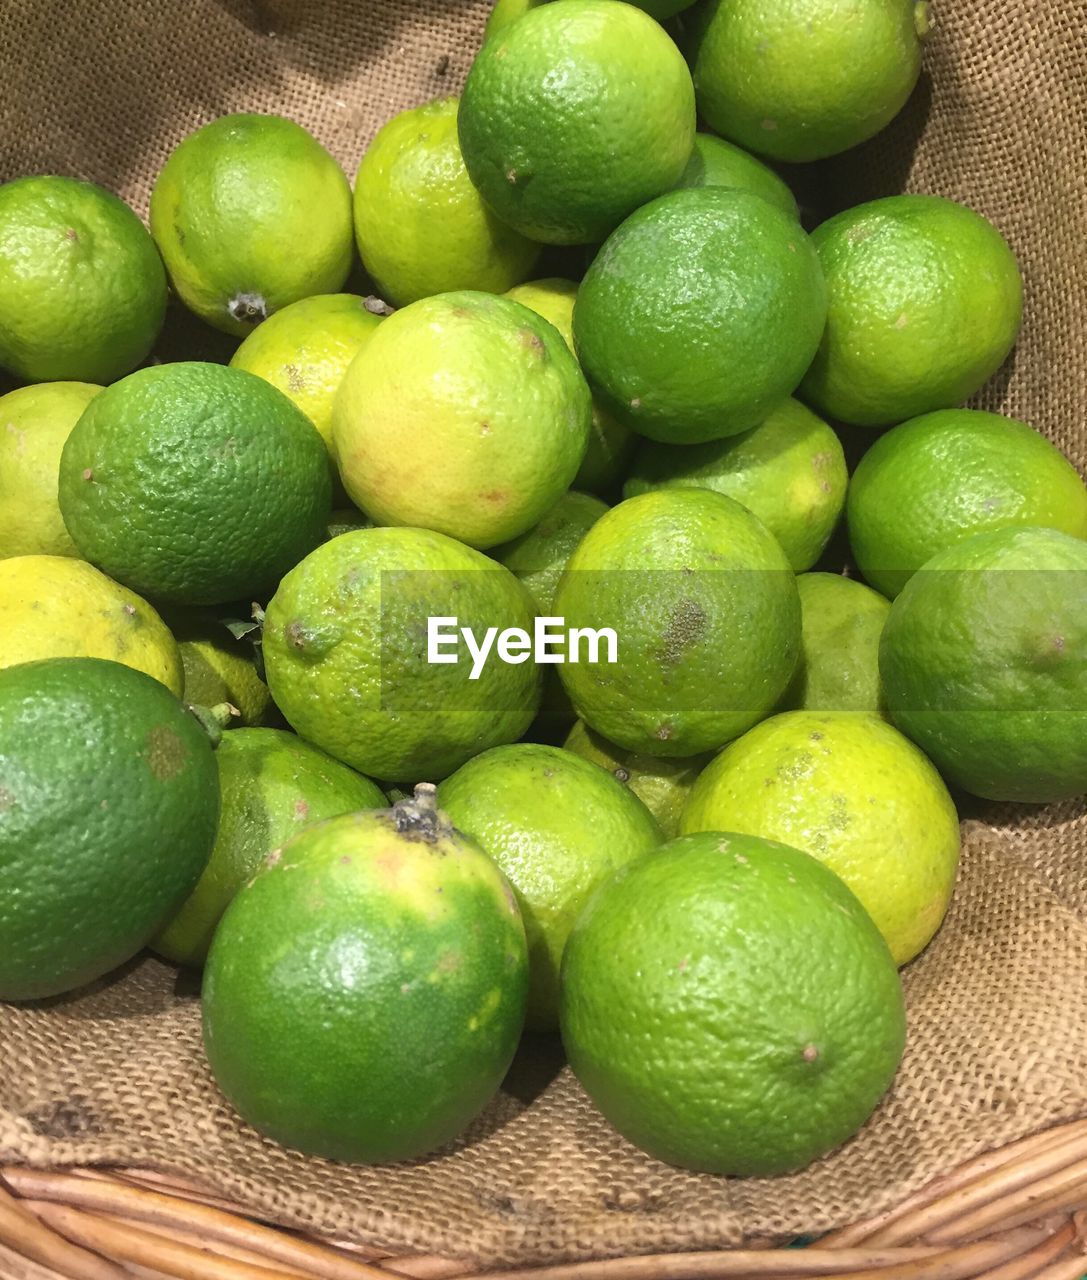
x=790, y=472
x=98, y=845
x=706, y=618
x=57, y=607
x=34, y=424
x=272, y=784
x=925, y=304
x=539, y=557
x=556, y=826
x=573, y=116
x=839, y=648
x=218, y=667
x=82, y=290
x=805, y=79
x=982, y=664
x=421, y=225
x=661, y=785
x=194, y=483
x=730, y=1007
x=610, y=443
x=346, y=653
x=465, y=413
x=717, y=163
x=305, y=349
x=852, y=791
x=251, y=213
x=752, y=315
x=943, y=477
x=365, y=992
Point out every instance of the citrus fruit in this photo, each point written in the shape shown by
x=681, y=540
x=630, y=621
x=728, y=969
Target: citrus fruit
x=556, y=826
x=57, y=607
x=693, y=1014
x=982, y=663
x=365, y=992
x=842, y=621
x=573, y=116
x=34, y=424
x=752, y=315
x=272, y=785
x=849, y=789
x=251, y=213
x=925, y=301
x=940, y=478
x=218, y=668
x=506, y=11
x=194, y=483
x=717, y=163
x=706, y=615
x=790, y=472
x=345, y=653
x=100, y=845
x=539, y=556
x=610, y=443
x=420, y=224
x=465, y=413
x=82, y=290
x=661, y=785
x=808, y=79
x=305, y=349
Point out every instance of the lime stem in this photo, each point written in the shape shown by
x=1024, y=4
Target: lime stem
x=215, y=719
x=922, y=18
x=419, y=818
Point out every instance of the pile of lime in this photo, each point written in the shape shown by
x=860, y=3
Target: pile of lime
x=485, y=648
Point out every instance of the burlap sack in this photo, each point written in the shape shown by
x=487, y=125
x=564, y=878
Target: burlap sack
x=998, y=1005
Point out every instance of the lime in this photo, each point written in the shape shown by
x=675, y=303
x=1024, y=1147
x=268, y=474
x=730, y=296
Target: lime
x=661, y=785
x=305, y=349
x=982, y=664
x=610, y=443
x=251, y=213
x=852, y=791
x=697, y=1020
x=365, y=992
x=218, y=667
x=507, y=11
x=539, y=556
x=421, y=226
x=345, y=651
x=101, y=844
x=925, y=304
x=556, y=826
x=57, y=607
x=790, y=472
x=752, y=315
x=717, y=163
x=839, y=649
x=573, y=116
x=465, y=413
x=194, y=483
x=706, y=616
x=82, y=290
x=940, y=478
x=804, y=79
x=34, y=424
x=272, y=784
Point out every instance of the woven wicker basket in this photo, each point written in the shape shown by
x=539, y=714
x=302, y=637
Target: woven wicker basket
x=978, y=1163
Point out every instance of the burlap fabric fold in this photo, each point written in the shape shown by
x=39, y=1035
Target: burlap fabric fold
x=998, y=1005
